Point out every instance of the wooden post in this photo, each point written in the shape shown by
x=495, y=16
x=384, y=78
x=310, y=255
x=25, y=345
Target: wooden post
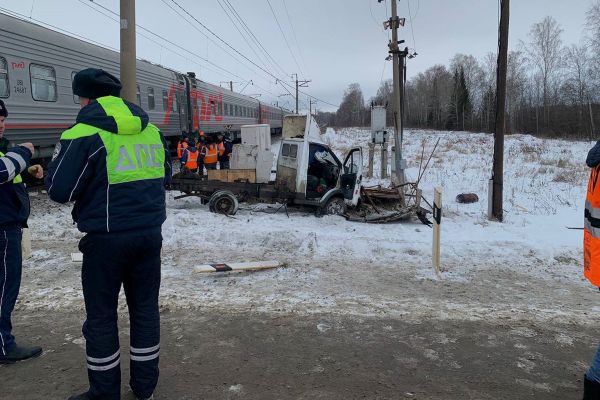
x=384, y=161
x=437, y=220
x=370, y=172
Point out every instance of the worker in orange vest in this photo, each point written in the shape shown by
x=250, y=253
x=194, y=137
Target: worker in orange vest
x=190, y=159
x=181, y=146
x=210, y=154
x=591, y=258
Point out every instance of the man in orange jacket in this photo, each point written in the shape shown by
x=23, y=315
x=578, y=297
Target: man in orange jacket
x=591, y=258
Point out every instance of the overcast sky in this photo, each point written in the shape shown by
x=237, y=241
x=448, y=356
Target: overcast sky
x=334, y=42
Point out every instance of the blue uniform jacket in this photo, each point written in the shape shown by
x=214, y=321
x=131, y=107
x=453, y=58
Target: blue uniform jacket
x=14, y=201
x=78, y=172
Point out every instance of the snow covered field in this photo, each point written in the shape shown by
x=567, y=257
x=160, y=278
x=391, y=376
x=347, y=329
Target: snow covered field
x=527, y=268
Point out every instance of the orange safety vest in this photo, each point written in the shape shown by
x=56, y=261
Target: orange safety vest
x=221, y=147
x=180, y=147
x=591, y=230
x=192, y=160
x=210, y=155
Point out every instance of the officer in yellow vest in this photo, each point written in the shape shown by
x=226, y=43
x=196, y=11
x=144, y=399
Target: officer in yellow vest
x=591, y=257
x=114, y=164
x=14, y=211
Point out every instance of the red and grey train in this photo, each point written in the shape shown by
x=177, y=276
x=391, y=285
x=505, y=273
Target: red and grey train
x=37, y=66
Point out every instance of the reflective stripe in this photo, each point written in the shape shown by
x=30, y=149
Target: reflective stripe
x=103, y=360
x=594, y=212
x=104, y=368
x=144, y=358
x=146, y=350
x=3, y=285
x=10, y=168
x=595, y=232
x=18, y=158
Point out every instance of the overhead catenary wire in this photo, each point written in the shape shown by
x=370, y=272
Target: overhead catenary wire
x=253, y=36
x=285, y=39
x=227, y=72
x=294, y=35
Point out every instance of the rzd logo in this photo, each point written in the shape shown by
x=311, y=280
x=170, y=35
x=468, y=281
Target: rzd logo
x=145, y=157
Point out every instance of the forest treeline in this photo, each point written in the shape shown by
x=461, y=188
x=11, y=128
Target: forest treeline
x=553, y=89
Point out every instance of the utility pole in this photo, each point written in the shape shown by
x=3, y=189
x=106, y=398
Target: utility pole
x=231, y=85
x=128, y=52
x=299, y=84
x=498, y=169
x=398, y=58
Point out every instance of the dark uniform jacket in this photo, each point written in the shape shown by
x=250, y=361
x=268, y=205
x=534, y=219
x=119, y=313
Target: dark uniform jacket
x=114, y=164
x=14, y=201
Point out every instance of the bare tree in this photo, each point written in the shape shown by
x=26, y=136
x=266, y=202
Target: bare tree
x=544, y=49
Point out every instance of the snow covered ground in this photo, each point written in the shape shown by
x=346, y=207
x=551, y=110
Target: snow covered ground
x=527, y=268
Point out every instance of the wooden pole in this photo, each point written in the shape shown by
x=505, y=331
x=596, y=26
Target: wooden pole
x=384, y=161
x=128, y=51
x=498, y=169
x=437, y=220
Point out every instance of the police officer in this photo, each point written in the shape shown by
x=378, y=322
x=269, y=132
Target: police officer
x=14, y=211
x=115, y=164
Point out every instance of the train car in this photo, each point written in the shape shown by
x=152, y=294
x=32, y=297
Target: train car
x=37, y=66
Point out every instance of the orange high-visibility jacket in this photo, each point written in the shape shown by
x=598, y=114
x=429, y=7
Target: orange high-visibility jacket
x=591, y=230
x=192, y=160
x=221, y=147
x=210, y=154
x=180, y=147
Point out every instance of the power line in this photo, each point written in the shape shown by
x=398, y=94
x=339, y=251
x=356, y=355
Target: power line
x=412, y=26
x=285, y=39
x=284, y=83
x=229, y=73
x=253, y=36
x=294, y=34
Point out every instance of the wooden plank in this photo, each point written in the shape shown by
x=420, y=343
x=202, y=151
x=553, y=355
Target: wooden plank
x=244, y=266
x=218, y=175
x=241, y=175
x=26, y=244
x=77, y=257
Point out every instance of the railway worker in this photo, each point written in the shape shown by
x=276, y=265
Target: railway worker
x=591, y=258
x=225, y=148
x=115, y=164
x=210, y=154
x=14, y=211
x=182, y=144
x=190, y=158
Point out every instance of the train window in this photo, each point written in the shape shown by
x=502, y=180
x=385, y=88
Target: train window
x=139, y=95
x=226, y=109
x=235, y=111
x=151, y=102
x=4, y=87
x=165, y=100
x=43, y=82
x=220, y=108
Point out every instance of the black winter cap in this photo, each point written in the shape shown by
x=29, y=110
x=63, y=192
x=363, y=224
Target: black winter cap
x=3, y=110
x=93, y=83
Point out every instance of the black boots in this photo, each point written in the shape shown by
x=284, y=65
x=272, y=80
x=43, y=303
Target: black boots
x=591, y=389
x=19, y=354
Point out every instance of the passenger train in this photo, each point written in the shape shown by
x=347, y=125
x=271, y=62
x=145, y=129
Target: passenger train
x=37, y=66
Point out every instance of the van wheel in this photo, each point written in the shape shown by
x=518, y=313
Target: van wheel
x=223, y=202
x=334, y=206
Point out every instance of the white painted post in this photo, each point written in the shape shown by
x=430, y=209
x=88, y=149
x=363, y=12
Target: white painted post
x=384, y=160
x=437, y=220
x=370, y=172
x=26, y=244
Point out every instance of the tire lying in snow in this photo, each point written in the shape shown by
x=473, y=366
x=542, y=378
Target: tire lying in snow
x=223, y=202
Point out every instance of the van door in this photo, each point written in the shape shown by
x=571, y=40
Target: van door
x=352, y=176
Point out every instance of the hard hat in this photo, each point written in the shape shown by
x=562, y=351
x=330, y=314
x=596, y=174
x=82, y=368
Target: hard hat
x=201, y=133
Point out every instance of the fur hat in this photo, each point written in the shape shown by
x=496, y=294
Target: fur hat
x=93, y=83
x=3, y=110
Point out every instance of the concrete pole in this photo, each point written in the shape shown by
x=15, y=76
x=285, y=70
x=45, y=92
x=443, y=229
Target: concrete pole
x=296, y=93
x=498, y=169
x=231, y=85
x=399, y=175
x=128, y=52
x=384, y=160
